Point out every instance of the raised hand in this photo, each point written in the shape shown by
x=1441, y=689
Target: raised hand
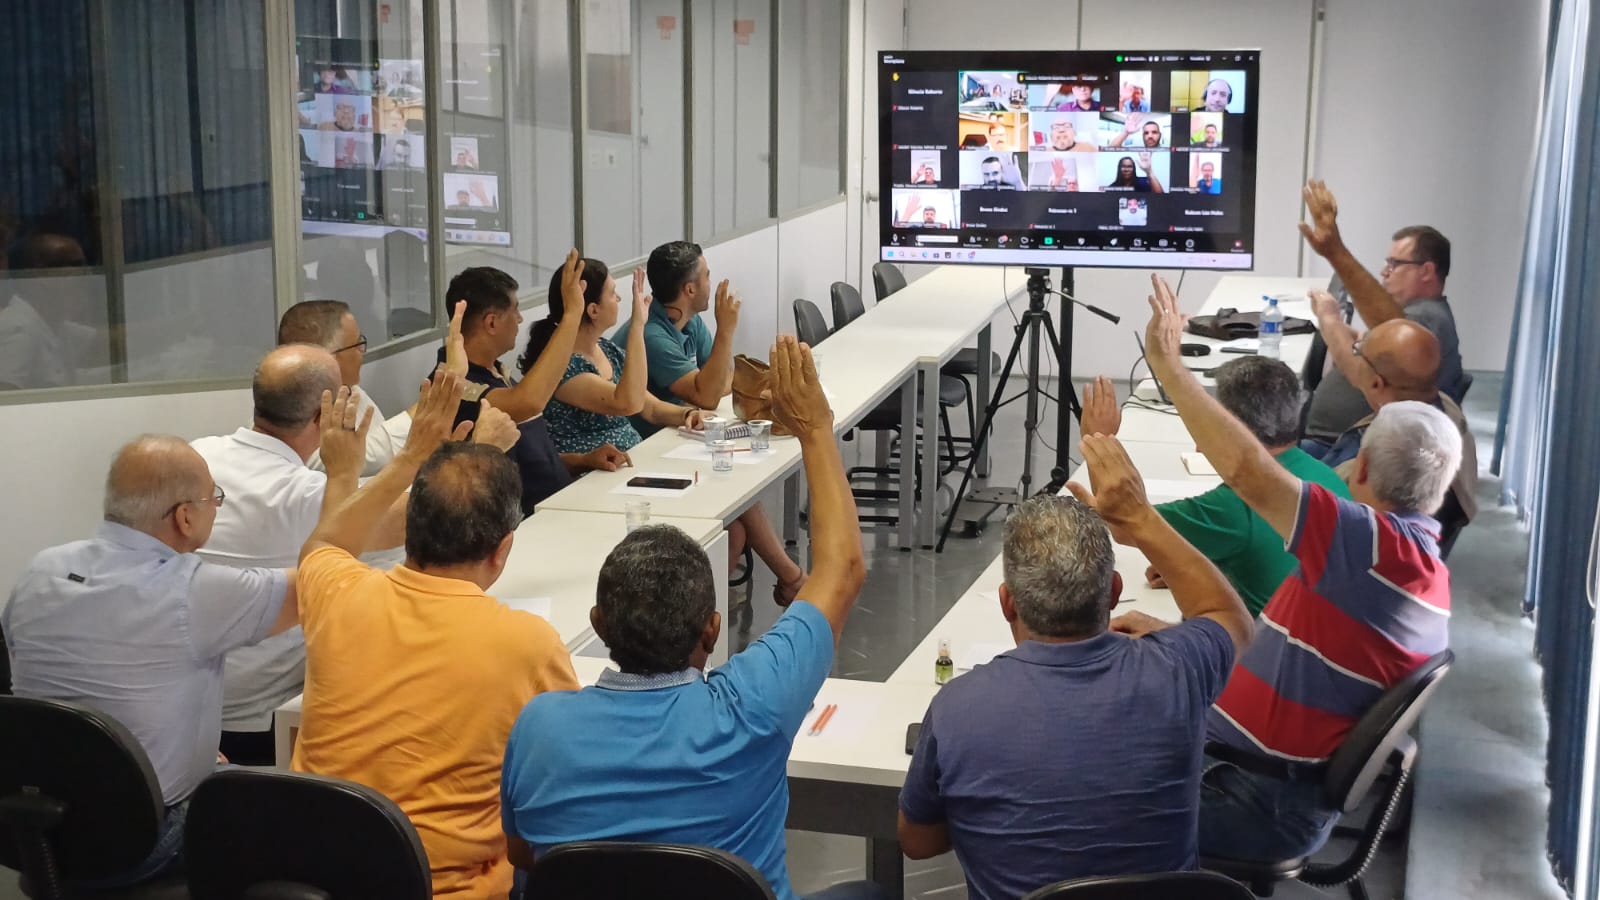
x=343, y=439
x=1324, y=305
x=727, y=308
x=1115, y=489
x=798, y=403
x=1058, y=171
x=455, y=346
x=433, y=418
x=572, y=286
x=1144, y=163
x=495, y=428
x=1101, y=415
x=1322, y=232
x=913, y=203
x=1132, y=125
x=641, y=295
x=1163, y=334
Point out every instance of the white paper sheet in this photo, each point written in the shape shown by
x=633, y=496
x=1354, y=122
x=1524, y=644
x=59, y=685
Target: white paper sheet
x=629, y=490
x=1251, y=344
x=539, y=606
x=697, y=452
x=853, y=719
x=1197, y=464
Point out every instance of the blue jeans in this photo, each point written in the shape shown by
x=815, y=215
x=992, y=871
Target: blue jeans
x=167, y=857
x=1248, y=816
x=848, y=890
x=1315, y=447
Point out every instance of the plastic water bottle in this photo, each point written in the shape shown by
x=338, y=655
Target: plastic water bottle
x=1271, y=329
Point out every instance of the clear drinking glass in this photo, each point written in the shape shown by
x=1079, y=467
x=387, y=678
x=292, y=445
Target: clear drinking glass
x=715, y=428
x=636, y=514
x=760, y=434
x=721, y=456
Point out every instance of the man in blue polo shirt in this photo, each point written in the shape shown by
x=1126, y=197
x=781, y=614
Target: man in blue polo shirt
x=663, y=751
x=687, y=364
x=1077, y=753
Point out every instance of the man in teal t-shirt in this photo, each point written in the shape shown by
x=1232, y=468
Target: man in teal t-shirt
x=1264, y=394
x=687, y=364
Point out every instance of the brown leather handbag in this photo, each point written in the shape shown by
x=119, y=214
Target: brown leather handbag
x=751, y=379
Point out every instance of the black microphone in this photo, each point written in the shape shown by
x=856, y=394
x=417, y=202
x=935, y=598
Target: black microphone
x=1110, y=317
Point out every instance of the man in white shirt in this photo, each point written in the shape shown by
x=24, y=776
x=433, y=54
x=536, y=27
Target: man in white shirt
x=329, y=324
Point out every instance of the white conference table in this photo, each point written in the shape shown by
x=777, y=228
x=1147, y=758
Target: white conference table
x=556, y=556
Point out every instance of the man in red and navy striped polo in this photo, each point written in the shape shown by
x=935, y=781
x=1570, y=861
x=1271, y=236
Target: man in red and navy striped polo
x=1368, y=604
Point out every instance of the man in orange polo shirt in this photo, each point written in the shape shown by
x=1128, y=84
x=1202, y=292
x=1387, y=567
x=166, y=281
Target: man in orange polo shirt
x=414, y=676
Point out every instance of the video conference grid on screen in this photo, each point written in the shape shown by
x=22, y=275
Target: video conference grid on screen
x=1141, y=158
x=363, y=147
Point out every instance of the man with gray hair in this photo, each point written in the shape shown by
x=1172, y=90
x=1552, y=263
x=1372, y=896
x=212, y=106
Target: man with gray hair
x=1368, y=604
x=1264, y=395
x=331, y=325
x=1011, y=769
x=134, y=624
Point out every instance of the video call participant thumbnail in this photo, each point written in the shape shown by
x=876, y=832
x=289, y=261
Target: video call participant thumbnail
x=1080, y=95
x=924, y=209
x=925, y=166
x=1214, y=91
x=1062, y=172
x=1205, y=129
x=1131, y=213
x=989, y=170
x=1135, y=130
x=1063, y=132
x=1134, y=95
x=1205, y=172
x=1143, y=173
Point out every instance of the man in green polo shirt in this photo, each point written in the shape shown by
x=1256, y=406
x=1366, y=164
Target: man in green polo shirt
x=687, y=363
x=1264, y=395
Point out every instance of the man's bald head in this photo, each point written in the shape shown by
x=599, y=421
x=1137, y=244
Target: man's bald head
x=288, y=386
x=1406, y=355
x=149, y=476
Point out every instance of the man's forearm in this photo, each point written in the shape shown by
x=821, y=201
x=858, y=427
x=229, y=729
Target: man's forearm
x=1225, y=442
x=532, y=394
x=1198, y=587
x=837, y=566
x=1370, y=297
x=716, y=376
x=351, y=514
x=1341, y=339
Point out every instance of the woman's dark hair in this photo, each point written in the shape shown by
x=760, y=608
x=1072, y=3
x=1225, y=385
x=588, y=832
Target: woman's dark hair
x=1130, y=178
x=594, y=278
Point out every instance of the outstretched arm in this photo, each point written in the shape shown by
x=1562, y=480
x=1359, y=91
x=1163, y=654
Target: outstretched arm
x=1372, y=300
x=706, y=386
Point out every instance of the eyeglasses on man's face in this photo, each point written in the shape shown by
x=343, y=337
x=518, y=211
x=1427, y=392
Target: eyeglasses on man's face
x=359, y=346
x=1392, y=263
x=216, y=498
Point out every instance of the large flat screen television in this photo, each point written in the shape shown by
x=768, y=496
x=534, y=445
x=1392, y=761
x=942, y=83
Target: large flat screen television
x=1135, y=158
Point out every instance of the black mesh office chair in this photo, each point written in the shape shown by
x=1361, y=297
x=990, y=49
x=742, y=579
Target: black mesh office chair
x=79, y=801
x=953, y=391
x=265, y=834
x=1166, y=886
x=600, y=870
x=1379, y=745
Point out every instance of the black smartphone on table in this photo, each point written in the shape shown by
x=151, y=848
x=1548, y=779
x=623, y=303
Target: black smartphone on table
x=913, y=731
x=665, y=484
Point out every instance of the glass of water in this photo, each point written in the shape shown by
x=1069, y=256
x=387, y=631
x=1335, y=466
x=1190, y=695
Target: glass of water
x=760, y=434
x=715, y=427
x=721, y=456
x=636, y=514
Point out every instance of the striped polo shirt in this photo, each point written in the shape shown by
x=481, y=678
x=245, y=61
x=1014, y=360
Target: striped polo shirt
x=1368, y=604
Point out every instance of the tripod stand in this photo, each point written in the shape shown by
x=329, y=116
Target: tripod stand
x=1036, y=317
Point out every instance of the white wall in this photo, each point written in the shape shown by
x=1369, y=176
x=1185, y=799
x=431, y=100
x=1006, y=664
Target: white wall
x=1392, y=131
x=1450, y=143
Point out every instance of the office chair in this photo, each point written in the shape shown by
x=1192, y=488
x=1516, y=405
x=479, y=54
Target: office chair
x=79, y=801
x=953, y=391
x=886, y=279
x=811, y=328
x=1466, y=385
x=601, y=870
x=1379, y=744
x=1166, y=886
x=266, y=834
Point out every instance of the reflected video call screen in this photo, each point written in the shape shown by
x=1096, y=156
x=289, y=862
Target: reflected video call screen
x=1069, y=158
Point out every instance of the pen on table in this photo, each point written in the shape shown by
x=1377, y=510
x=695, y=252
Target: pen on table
x=696, y=476
x=822, y=720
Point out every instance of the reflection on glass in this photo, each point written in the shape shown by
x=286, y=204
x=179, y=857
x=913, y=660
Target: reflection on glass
x=732, y=115
x=811, y=44
x=363, y=154
x=507, y=123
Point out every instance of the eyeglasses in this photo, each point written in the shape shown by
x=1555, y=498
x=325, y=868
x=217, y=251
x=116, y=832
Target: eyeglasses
x=216, y=498
x=1355, y=349
x=1391, y=263
x=358, y=345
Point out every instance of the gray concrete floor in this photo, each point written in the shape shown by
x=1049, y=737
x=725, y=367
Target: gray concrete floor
x=1479, y=824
